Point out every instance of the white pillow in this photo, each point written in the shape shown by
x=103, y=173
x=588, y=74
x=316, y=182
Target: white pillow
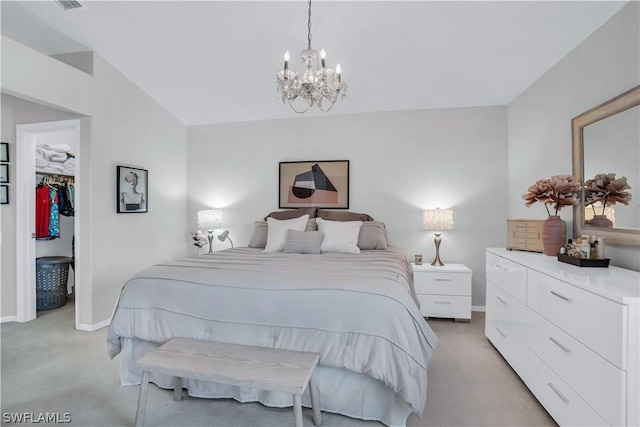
x=339, y=236
x=277, y=231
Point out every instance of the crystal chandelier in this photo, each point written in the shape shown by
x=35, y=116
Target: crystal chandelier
x=319, y=85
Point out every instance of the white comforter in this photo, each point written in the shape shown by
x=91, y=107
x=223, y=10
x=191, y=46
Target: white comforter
x=358, y=311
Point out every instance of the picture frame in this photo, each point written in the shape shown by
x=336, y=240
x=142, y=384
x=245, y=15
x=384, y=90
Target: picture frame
x=4, y=194
x=323, y=183
x=4, y=173
x=4, y=152
x=132, y=190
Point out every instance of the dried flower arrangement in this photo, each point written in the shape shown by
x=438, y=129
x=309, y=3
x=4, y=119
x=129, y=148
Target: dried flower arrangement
x=199, y=239
x=559, y=191
x=606, y=189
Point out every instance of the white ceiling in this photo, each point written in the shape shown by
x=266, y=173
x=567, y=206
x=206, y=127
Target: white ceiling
x=215, y=61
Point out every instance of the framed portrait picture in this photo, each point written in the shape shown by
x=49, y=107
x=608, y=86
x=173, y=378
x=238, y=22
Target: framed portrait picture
x=132, y=190
x=4, y=173
x=4, y=152
x=324, y=184
x=4, y=194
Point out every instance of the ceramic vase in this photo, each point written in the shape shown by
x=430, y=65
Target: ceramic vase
x=601, y=221
x=554, y=235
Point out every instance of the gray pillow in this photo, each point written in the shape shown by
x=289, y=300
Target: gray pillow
x=373, y=235
x=259, y=235
x=293, y=213
x=342, y=215
x=303, y=242
x=260, y=229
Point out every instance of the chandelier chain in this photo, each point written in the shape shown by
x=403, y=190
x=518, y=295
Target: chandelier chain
x=309, y=26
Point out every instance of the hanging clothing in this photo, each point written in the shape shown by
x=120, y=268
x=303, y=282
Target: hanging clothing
x=43, y=211
x=54, y=217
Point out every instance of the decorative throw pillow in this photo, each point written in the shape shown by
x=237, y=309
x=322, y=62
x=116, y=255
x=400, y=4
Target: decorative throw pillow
x=259, y=235
x=293, y=213
x=340, y=236
x=342, y=215
x=301, y=242
x=373, y=235
x=277, y=231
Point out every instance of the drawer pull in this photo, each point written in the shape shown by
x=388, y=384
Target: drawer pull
x=501, y=333
x=561, y=296
x=560, y=395
x=559, y=344
x=442, y=302
x=501, y=267
x=501, y=300
x=442, y=280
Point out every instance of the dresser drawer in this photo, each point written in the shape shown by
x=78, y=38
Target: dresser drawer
x=508, y=275
x=598, y=382
x=442, y=283
x=564, y=405
x=452, y=306
x=508, y=309
x=512, y=348
x=598, y=323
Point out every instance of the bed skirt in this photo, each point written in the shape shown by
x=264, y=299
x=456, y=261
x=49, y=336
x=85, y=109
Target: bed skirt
x=341, y=391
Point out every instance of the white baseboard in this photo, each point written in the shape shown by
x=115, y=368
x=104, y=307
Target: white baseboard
x=8, y=319
x=95, y=326
x=478, y=308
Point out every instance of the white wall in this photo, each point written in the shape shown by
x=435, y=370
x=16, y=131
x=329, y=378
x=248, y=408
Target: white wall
x=603, y=66
x=16, y=111
x=126, y=127
x=400, y=164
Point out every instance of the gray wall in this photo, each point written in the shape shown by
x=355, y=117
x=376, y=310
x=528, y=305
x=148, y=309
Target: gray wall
x=124, y=127
x=401, y=163
x=606, y=64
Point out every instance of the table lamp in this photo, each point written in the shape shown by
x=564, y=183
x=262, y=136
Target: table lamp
x=437, y=220
x=209, y=220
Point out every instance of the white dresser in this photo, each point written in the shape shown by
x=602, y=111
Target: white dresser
x=570, y=333
x=443, y=291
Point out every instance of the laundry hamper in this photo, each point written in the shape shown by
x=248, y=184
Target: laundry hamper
x=52, y=273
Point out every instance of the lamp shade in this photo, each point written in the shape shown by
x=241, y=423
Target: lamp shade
x=437, y=219
x=209, y=219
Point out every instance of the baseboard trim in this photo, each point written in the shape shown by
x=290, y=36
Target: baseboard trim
x=480, y=308
x=95, y=326
x=8, y=319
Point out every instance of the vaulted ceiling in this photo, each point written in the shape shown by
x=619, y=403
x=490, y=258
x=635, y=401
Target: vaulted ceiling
x=215, y=61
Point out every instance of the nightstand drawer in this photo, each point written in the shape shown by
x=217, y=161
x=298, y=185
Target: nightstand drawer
x=442, y=283
x=445, y=306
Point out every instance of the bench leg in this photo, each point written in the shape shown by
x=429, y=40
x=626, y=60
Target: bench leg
x=315, y=402
x=177, y=389
x=142, y=400
x=297, y=410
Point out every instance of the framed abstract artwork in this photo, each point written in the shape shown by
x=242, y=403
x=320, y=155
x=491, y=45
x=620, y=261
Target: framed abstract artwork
x=4, y=173
x=132, y=190
x=324, y=184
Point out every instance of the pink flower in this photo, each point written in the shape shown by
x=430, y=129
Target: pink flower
x=559, y=191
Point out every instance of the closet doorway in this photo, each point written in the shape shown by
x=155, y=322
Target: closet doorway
x=28, y=137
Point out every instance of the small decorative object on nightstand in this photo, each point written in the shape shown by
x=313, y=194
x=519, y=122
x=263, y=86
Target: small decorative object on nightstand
x=444, y=291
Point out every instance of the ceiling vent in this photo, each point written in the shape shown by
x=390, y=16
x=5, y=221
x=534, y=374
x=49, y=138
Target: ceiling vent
x=68, y=4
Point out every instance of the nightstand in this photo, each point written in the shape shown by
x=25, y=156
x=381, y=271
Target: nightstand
x=443, y=291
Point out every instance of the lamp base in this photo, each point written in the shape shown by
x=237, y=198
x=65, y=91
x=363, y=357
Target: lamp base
x=437, y=262
x=210, y=237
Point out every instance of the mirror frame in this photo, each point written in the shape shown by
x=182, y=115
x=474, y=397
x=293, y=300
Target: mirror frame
x=622, y=102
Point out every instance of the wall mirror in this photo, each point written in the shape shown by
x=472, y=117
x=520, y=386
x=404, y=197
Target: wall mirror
x=606, y=139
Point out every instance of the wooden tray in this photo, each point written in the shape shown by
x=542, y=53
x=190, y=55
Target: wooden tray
x=582, y=262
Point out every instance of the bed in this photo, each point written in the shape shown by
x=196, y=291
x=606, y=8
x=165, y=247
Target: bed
x=359, y=311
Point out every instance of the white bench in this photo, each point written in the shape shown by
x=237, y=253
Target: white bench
x=240, y=365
